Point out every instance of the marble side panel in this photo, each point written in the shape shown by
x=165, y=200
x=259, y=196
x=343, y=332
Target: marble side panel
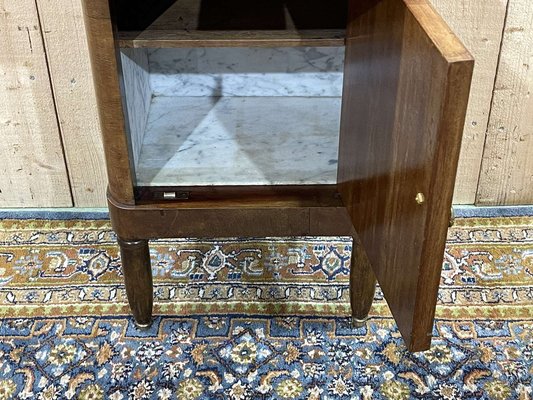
x=135, y=70
x=240, y=141
x=291, y=71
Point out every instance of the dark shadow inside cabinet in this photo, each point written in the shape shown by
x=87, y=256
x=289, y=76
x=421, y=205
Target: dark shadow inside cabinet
x=232, y=93
x=216, y=15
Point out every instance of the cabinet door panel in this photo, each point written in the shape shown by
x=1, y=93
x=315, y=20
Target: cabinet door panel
x=407, y=81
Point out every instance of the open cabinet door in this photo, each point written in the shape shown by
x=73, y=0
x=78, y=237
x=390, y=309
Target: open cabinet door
x=407, y=81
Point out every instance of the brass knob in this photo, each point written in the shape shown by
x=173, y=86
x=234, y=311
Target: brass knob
x=420, y=198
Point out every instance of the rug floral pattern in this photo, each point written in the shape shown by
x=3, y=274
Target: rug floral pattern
x=256, y=319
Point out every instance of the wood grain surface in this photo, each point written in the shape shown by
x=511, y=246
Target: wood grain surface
x=507, y=171
x=137, y=269
x=362, y=282
x=113, y=119
x=72, y=85
x=479, y=25
x=231, y=212
x=407, y=81
x=32, y=170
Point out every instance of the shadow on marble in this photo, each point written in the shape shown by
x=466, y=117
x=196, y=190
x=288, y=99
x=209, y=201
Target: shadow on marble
x=240, y=141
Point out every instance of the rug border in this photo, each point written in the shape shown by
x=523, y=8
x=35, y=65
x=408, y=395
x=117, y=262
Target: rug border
x=103, y=214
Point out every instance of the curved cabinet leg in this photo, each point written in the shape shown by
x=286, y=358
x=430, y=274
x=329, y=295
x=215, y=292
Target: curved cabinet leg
x=138, y=279
x=362, y=284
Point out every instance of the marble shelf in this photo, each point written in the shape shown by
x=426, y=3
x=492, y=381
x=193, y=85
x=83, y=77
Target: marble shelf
x=203, y=141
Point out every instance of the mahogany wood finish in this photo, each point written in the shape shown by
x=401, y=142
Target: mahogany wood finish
x=405, y=96
x=258, y=217
x=406, y=87
x=113, y=118
x=362, y=282
x=255, y=219
x=242, y=196
x=137, y=270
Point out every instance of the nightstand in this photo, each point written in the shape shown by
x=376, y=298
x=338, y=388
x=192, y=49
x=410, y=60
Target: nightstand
x=284, y=118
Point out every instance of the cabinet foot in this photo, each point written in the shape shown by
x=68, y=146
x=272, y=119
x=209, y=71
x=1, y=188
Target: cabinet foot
x=143, y=327
x=359, y=323
x=362, y=284
x=138, y=279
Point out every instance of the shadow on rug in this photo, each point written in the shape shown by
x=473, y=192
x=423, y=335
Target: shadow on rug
x=256, y=319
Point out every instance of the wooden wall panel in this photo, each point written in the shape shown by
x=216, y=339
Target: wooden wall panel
x=32, y=166
x=479, y=24
x=507, y=170
x=70, y=73
x=506, y=175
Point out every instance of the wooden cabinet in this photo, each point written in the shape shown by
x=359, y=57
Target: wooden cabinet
x=276, y=118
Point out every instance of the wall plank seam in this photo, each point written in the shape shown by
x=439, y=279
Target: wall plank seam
x=72, y=80
x=54, y=102
x=492, y=100
x=32, y=169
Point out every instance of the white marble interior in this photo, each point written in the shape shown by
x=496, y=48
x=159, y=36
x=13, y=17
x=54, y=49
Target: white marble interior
x=214, y=72
x=136, y=79
x=234, y=116
x=240, y=141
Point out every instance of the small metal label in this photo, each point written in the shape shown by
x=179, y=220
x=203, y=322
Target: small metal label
x=169, y=195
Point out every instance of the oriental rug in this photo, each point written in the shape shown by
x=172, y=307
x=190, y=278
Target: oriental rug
x=256, y=319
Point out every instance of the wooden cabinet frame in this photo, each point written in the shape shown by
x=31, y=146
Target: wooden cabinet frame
x=406, y=87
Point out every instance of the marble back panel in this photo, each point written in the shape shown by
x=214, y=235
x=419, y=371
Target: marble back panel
x=242, y=72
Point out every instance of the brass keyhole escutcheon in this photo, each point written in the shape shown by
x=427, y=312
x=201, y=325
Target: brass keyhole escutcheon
x=420, y=198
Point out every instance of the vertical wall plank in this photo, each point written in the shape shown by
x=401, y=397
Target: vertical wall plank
x=38, y=178
x=507, y=170
x=32, y=166
x=479, y=24
x=68, y=59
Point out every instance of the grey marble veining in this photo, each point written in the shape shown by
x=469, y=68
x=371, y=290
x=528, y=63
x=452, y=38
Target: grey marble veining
x=240, y=140
x=135, y=72
x=291, y=71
